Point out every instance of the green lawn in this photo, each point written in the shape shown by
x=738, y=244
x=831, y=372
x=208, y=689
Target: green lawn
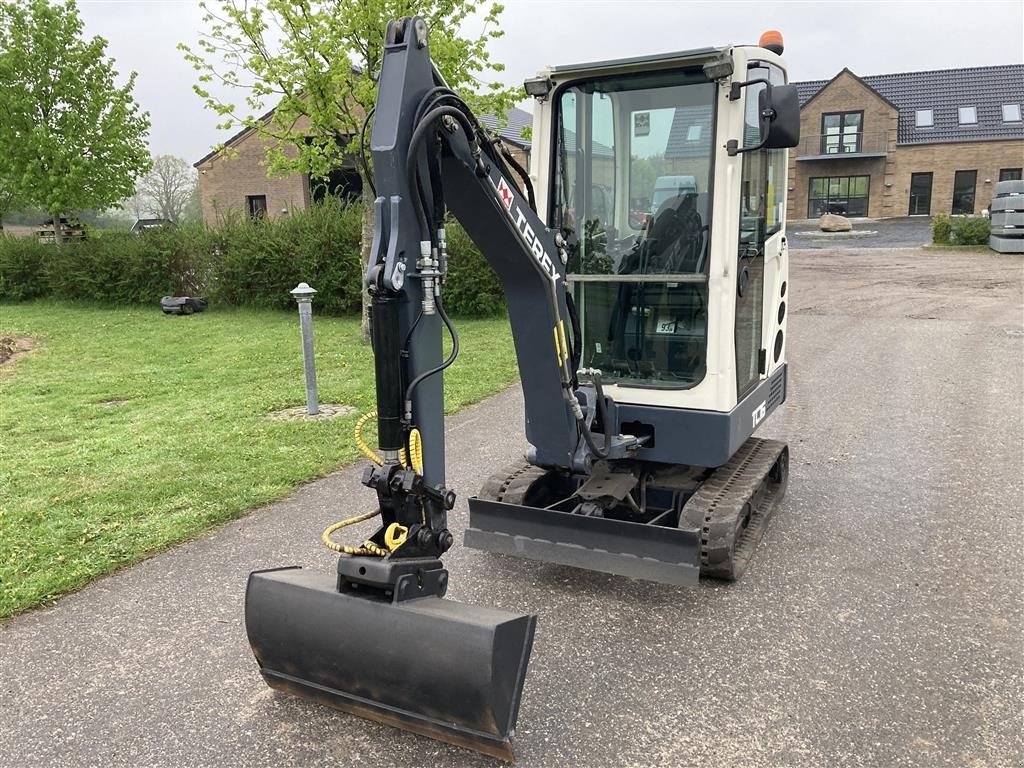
x=125, y=431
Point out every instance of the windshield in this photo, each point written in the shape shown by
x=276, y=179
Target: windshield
x=632, y=184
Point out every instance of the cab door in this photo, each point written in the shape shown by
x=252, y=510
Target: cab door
x=762, y=192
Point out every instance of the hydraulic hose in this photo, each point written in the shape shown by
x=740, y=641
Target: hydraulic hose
x=520, y=171
x=395, y=534
x=362, y=149
x=412, y=159
x=412, y=456
x=427, y=374
x=602, y=409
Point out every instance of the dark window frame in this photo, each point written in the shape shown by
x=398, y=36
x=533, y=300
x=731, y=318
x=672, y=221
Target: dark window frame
x=1011, y=174
x=256, y=205
x=840, y=144
x=931, y=184
x=832, y=202
x=958, y=206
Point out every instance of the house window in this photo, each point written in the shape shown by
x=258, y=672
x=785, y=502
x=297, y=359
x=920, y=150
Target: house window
x=693, y=133
x=1010, y=174
x=968, y=115
x=257, y=205
x=841, y=132
x=924, y=118
x=1011, y=113
x=845, y=195
x=963, y=191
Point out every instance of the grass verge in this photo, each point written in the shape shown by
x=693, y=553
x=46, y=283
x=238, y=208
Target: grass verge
x=954, y=247
x=124, y=432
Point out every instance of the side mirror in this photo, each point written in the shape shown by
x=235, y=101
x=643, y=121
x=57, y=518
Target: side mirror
x=778, y=108
x=783, y=129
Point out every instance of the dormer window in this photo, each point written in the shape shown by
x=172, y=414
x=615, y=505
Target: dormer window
x=924, y=118
x=968, y=115
x=1011, y=113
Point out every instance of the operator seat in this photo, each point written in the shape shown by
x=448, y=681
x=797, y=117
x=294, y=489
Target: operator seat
x=675, y=236
x=672, y=243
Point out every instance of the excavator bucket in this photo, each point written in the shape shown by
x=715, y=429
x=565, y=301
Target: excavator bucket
x=439, y=668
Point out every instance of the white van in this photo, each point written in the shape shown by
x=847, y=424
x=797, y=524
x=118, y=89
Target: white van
x=667, y=187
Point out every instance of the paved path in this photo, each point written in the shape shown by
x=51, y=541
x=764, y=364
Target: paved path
x=880, y=624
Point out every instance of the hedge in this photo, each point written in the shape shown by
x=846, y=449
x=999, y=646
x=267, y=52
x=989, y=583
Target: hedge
x=960, y=230
x=236, y=263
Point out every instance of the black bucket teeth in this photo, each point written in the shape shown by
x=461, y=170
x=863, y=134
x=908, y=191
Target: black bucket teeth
x=439, y=668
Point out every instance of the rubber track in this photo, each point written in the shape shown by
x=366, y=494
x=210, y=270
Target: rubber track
x=745, y=484
x=511, y=484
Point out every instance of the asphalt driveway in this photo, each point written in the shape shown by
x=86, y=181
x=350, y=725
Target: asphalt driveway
x=906, y=232
x=880, y=623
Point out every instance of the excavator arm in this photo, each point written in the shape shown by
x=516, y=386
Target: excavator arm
x=378, y=640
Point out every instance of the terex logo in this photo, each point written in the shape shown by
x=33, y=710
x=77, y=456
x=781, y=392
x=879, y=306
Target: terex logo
x=759, y=413
x=505, y=194
x=534, y=243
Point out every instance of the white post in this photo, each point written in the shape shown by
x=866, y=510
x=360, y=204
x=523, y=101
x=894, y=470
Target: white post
x=304, y=296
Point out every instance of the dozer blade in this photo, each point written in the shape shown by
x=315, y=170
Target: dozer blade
x=639, y=551
x=439, y=668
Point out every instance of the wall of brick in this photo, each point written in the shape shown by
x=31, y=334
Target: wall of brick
x=227, y=178
x=880, y=123
x=889, y=192
x=942, y=161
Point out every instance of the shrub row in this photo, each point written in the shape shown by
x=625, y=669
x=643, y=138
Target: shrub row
x=960, y=230
x=237, y=263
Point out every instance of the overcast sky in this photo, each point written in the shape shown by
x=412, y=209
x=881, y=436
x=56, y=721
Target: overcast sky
x=821, y=38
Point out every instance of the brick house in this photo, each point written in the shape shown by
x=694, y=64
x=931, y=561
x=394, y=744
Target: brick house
x=234, y=178
x=913, y=143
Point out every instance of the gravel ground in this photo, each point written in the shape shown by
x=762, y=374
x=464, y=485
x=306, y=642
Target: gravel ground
x=880, y=623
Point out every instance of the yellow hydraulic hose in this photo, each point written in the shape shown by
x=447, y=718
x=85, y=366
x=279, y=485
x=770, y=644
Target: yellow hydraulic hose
x=416, y=446
x=367, y=451
x=395, y=534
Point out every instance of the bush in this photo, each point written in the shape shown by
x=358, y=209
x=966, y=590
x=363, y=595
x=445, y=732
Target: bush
x=472, y=288
x=941, y=228
x=21, y=268
x=238, y=263
x=971, y=230
x=259, y=264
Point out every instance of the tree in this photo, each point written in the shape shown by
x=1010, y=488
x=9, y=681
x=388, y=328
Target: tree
x=167, y=190
x=69, y=138
x=317, y=63
x=7, y=203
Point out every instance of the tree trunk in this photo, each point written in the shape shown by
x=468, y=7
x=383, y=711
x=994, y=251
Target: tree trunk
x=58, y=231
x=367, y=240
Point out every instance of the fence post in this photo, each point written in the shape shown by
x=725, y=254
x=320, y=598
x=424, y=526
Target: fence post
x=304, y=297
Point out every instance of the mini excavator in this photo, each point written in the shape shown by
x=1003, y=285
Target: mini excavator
x=643, y=258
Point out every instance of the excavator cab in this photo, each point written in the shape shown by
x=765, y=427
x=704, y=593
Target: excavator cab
x=643, y=263
x=666, y=179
